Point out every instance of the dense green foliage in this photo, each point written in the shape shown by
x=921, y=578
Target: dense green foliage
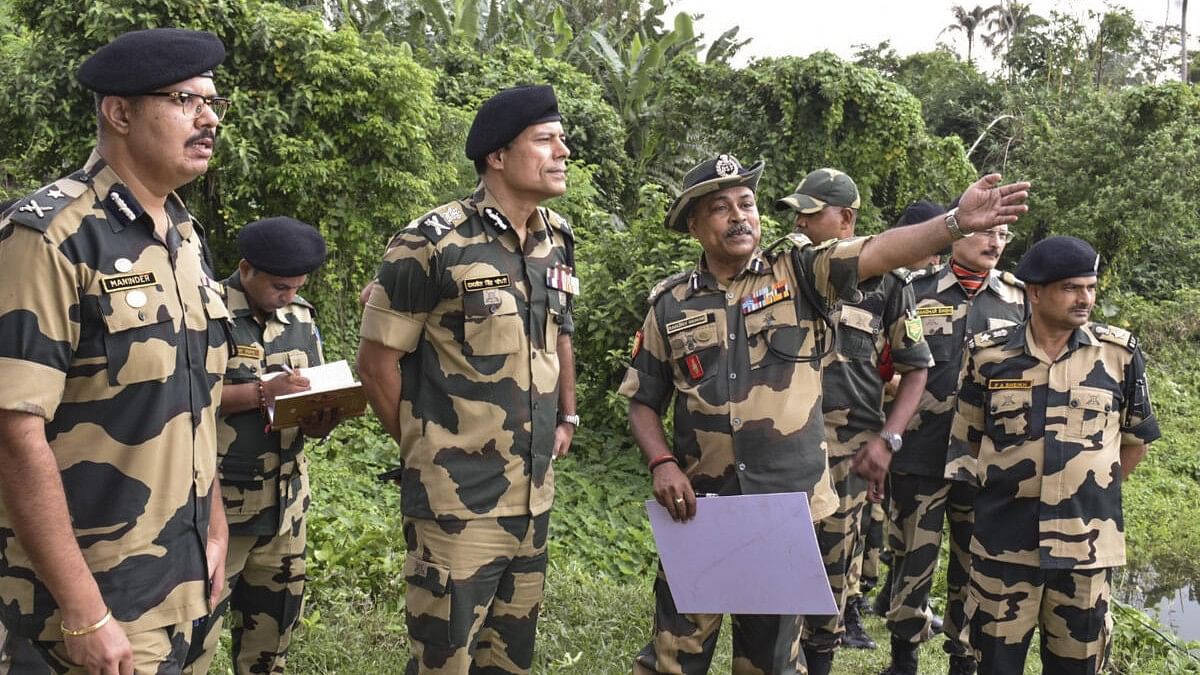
x=354, y=120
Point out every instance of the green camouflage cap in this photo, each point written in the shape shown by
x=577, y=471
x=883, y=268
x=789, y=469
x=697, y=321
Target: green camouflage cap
x=821, y=188
x=721, y=172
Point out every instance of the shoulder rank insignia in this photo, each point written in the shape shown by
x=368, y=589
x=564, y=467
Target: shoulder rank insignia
x=1115, y=335
x=667, y=284
x=990, y=338
x=913, y=275
x=904, y=274
x=37, y=210
x=437, y=224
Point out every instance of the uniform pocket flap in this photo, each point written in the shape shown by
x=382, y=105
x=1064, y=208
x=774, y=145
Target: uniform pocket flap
x=1090, y=398
x=859, y=319
x=428, y=575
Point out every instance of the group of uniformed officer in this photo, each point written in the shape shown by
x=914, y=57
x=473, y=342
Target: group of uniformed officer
x=139, y=388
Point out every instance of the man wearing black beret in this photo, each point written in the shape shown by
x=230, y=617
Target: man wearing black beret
x=474, y=301
x=264, y=474
x=114, y=344
x=1057, y=412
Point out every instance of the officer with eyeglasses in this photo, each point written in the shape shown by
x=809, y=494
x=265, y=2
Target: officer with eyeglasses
x=930, y=481
x=113, y=343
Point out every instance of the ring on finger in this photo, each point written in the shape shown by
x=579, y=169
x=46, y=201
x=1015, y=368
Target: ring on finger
x=679, y=500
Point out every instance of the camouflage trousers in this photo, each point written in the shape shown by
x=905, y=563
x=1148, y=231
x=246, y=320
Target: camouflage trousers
x=869, y=555
x=18, y=656
x=684, y=644
x=160, y=651
x=920, y=506
x=474, y=592
x=264, y=594
x=837, y=536
x=1069, y=608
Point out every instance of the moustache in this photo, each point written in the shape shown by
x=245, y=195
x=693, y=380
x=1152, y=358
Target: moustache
x=203, y=135
x=738, y=230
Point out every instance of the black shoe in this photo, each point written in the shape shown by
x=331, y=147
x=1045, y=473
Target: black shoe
x=855, y=636
x=904, y=658
x=962, y=665
x=819, y=663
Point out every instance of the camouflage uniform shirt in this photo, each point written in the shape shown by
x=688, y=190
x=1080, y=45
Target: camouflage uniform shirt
x=118, y=340
x=479, y=321
x=852, y=396
x=1050, y=434
x=261, y=472
x=747, y=415
x=949, y=318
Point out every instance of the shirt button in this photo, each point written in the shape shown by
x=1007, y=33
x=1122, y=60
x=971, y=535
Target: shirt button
x=729, y=296
x=732, y=337
x=737, y=421
x=742, y=466
x=733, y=376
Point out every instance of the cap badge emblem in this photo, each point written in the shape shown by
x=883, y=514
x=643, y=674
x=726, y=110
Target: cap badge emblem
x=726, y=166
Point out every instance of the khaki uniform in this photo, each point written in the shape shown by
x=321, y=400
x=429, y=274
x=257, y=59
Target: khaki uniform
x=264, y=482
x=118, y=340
x=747, y=413
x=1050, y=527
x=929, y=483
x=478, y=318
x=852, y=404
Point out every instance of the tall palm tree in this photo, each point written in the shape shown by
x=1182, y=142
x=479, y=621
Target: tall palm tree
x=1008, y=20
x=968, y=21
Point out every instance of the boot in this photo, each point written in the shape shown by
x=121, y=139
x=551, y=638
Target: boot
x=819, y=663
x=904, y=658
x=935, y=625
x=962, y=665
x=855, y=637
x=883, y=599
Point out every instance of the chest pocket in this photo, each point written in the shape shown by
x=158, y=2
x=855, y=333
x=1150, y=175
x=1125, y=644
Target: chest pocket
x=773, y=335
x=696, y=351
x=491, y=325
x=293, y=358
x=857, y=329
x=140, y=335
x=1008, y=415
x=1089, y=410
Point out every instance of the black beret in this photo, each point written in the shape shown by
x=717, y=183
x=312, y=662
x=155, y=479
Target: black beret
x=142, y=61
x=1057, y=258
x=504, y=116
x=919, y=212
x=282, y=246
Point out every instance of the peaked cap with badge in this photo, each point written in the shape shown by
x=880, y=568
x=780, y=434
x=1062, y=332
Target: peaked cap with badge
x=713, y=175
x=504, y=116
x=282, y=246
x=140, y=62
x=1056, y=258
x=821, y=188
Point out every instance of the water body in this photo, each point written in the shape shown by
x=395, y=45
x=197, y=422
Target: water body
x=1180, y=611
x=1166, y=592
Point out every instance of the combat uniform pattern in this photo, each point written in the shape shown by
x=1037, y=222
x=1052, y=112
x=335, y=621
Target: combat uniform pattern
x=264, y=483
x=100, y=318
x=852, y=404
x=747, y=414
x=931, y=480
x=1049, y=507
x=478, y=319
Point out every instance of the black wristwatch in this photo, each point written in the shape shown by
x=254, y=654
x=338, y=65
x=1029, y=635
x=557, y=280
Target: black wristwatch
x=573, y=420
x=894, y=440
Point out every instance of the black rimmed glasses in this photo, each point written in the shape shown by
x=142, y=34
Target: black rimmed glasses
x=193, y=104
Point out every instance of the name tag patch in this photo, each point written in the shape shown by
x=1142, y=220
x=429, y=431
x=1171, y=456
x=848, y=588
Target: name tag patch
x=483, y=283
x=250, y=351
x=935, y=310
x=1001, y=384
x=128, y=281
x=690, y=322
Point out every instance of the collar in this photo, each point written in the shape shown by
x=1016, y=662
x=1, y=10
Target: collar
x=702, y=278
x=1080, y=337
x=494, y=217
x=122, y=207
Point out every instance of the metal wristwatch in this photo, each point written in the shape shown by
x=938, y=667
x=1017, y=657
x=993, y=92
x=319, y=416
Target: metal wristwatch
x=894, y=440
x=956, y=232
x=573, y=420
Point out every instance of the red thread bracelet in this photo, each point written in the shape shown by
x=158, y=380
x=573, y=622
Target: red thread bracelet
x=660, y=460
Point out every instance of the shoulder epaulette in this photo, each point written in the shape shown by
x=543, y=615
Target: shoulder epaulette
x=667, y=284
x=1115, y=335
x=787, y=241
x=558, y=222
x=1011, y=279
x=297, y=300
x=991, y=338
x=922, y=273
x=441, y=221
x=904, y=274
x=39, y=209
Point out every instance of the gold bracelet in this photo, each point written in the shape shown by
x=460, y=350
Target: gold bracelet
x=86, y=629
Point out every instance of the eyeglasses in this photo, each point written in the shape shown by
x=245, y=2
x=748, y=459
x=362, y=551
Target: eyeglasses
x=999, y=235
x=193, y=104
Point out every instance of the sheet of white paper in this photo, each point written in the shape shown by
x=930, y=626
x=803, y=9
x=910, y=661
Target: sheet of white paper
x=328, y=376
x=748, y=554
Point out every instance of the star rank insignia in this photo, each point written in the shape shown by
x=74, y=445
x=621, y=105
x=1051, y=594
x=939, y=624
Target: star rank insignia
x=55, y=193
